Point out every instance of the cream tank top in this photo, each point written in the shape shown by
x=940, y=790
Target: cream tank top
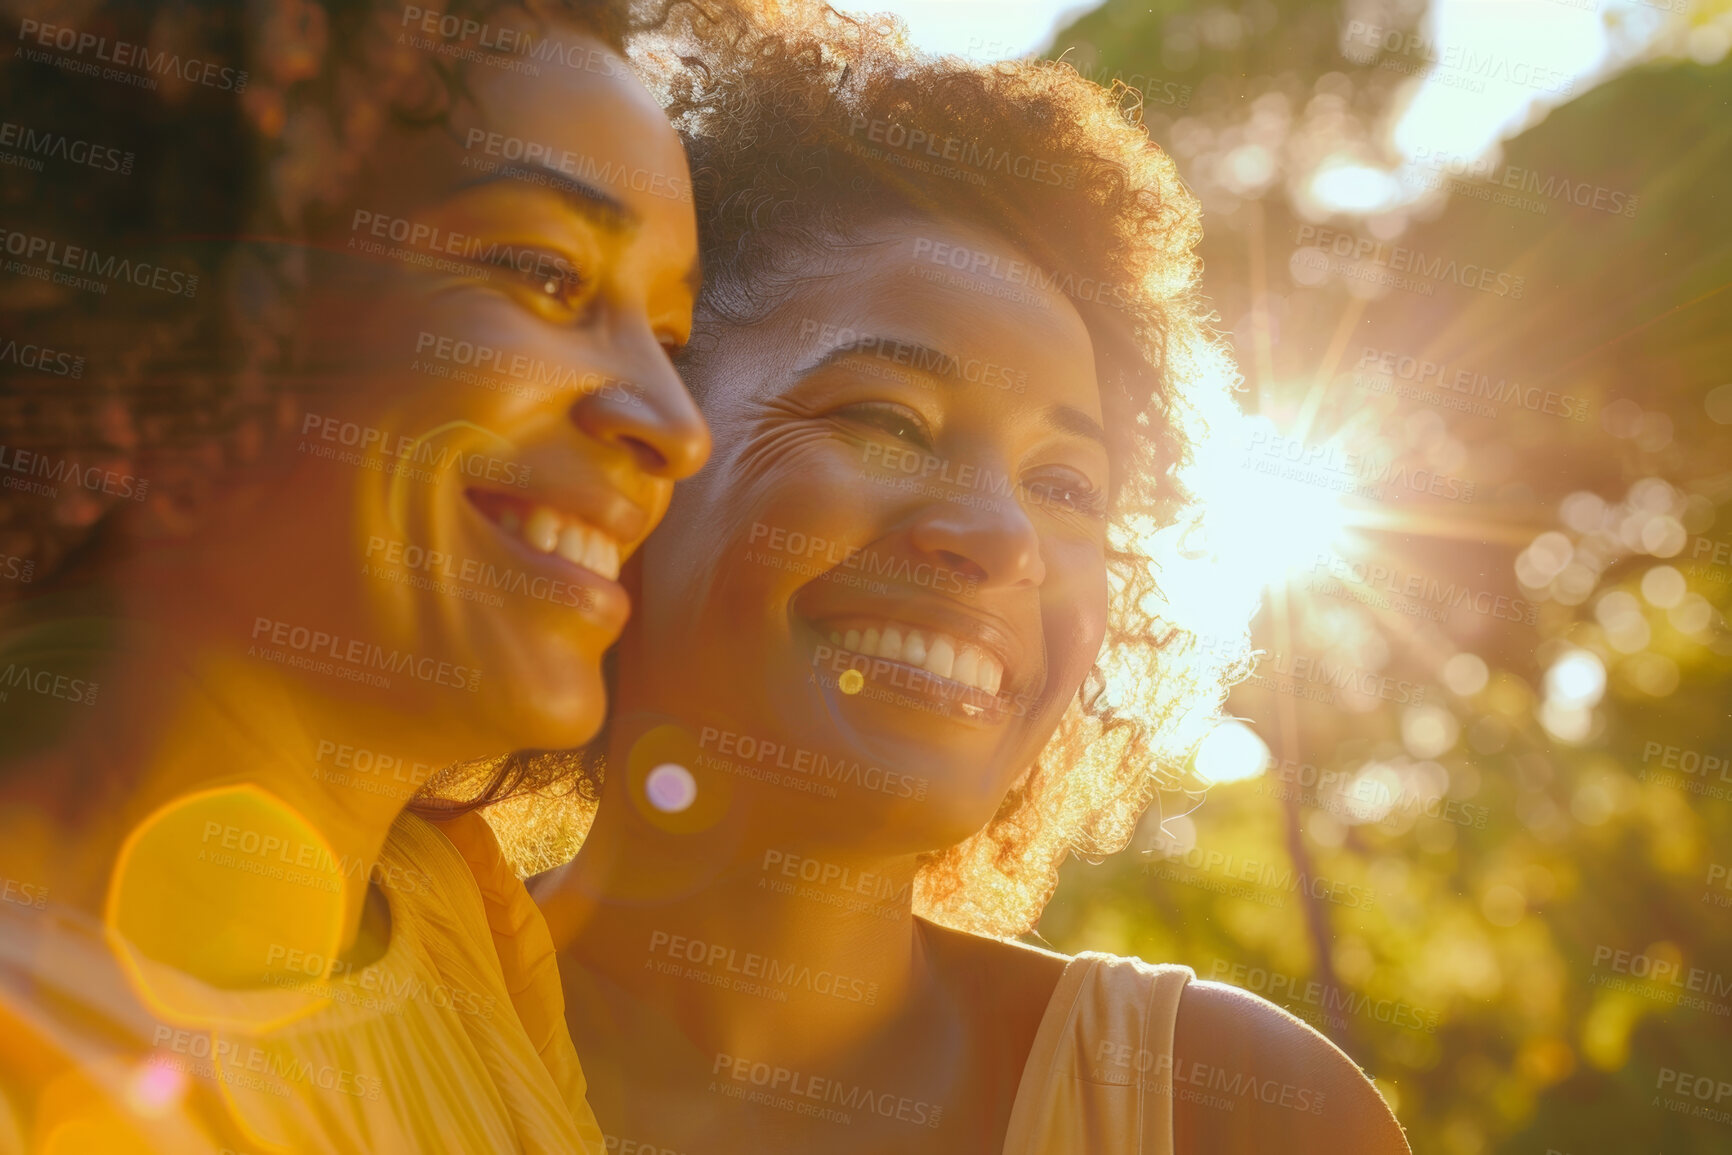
x=1099, y=1078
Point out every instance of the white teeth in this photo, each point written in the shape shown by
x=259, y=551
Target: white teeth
x=573, y=544
x=890, y=645
x=542, y=531
x=990, y=674
x=938, y=654
x=967, y=667
x=941, y=658
x=602, y=556
x=580, y=544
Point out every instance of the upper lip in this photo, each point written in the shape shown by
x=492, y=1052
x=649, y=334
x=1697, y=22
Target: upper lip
x=925, y=612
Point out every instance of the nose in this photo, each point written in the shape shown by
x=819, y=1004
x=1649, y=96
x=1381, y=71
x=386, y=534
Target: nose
x=994, y=543
x=645, y=409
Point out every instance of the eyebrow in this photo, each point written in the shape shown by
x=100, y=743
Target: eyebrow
x=582, y=198
x=935, y=363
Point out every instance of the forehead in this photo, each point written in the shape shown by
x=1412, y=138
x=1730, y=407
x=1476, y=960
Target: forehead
x=585, y=116
x=953, y=287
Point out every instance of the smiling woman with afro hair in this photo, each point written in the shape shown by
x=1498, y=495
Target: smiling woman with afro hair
x=793, y=890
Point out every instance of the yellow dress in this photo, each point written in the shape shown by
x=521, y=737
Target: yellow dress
x=453, y=1041
x=1099, y=1077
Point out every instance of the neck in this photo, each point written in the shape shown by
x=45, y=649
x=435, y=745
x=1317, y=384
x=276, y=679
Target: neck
x=182, y=710
x=753, y=939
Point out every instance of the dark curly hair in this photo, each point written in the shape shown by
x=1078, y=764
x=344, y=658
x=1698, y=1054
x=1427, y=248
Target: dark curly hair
x=802, y=125
x=213, y=168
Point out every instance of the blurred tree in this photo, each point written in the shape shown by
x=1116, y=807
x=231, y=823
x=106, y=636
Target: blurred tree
x=1496, y=834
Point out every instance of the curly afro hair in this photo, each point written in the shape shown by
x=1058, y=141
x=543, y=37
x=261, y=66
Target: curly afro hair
x=213, y=174
x=802, y=125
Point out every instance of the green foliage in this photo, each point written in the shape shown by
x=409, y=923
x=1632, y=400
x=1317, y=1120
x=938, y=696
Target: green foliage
x=1530, y=849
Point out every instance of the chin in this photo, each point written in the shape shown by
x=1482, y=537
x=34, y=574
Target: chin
x=546, y=711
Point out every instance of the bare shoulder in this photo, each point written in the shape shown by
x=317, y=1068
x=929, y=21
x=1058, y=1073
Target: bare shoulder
x=1005, y=971
x=1248, y=1076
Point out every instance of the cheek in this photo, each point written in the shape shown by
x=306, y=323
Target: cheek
x=1075, y=611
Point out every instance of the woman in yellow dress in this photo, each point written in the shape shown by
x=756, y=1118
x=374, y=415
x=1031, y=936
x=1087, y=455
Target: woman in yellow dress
x=337, y=368
x=895, y=652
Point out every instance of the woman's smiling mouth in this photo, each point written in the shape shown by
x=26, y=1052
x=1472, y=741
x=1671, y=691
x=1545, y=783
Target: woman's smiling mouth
x=551, y=531
x=940, y=654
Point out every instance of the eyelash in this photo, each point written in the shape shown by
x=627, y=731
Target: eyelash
x=1078, y=496
x=548, y=287
x=1081, y=497
x=892, y=419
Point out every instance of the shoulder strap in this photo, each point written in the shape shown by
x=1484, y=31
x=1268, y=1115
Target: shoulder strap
x=1099, y=1076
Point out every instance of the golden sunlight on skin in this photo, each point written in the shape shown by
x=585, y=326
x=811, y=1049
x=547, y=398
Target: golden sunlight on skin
x=737, y=933
x=423, y=568
x=810, y=423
